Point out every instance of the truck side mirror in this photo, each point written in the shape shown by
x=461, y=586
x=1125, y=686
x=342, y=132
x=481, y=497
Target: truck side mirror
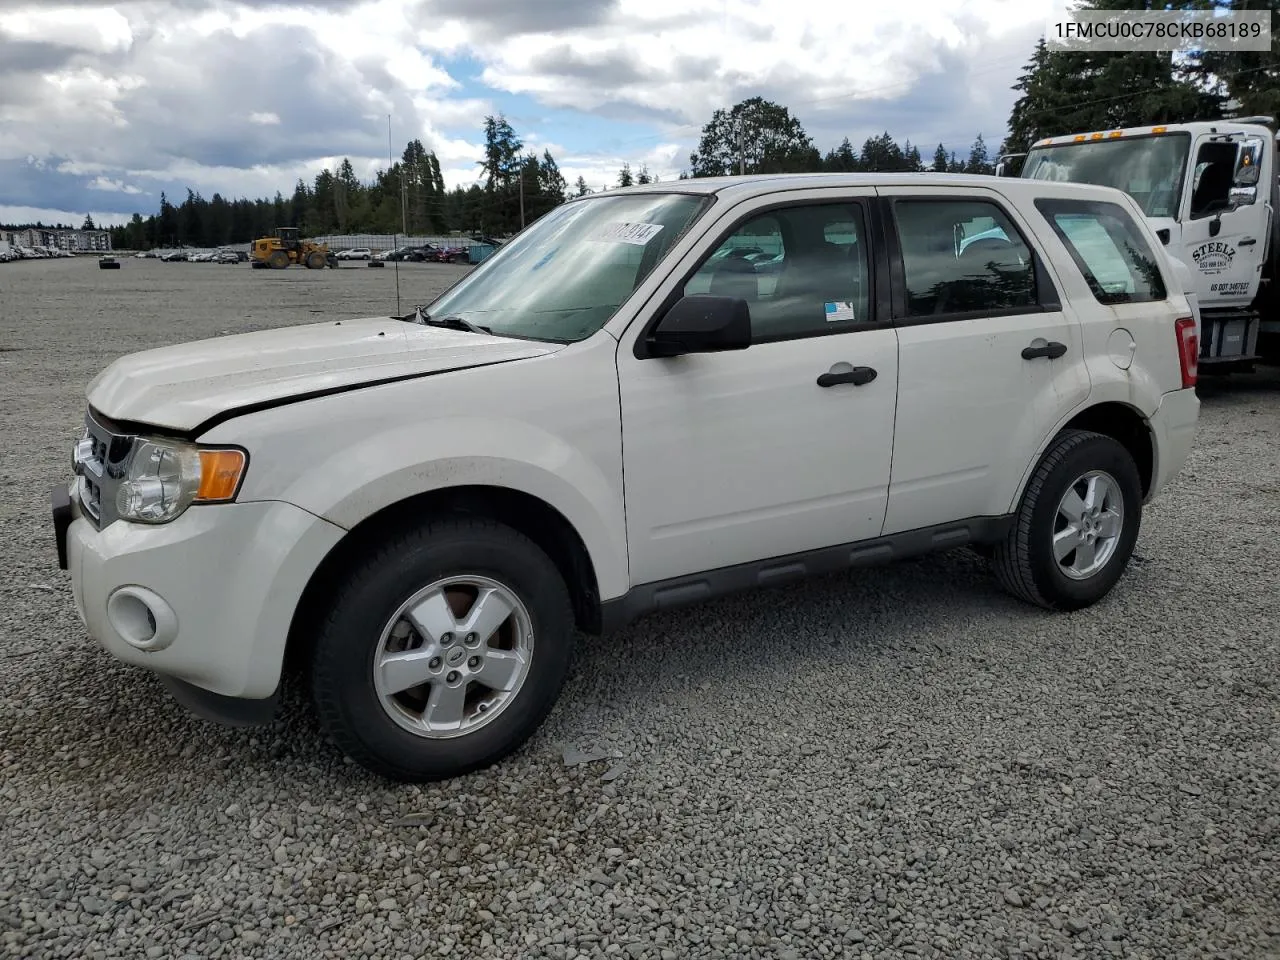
x=1242, y=196
x=1248, y=153
x=1215, y=225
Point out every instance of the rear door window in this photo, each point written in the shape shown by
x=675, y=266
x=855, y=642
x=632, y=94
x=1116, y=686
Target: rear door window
x=1107, y=247
x=962, y=257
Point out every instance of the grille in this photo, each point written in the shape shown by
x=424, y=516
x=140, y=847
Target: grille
x=100, y=461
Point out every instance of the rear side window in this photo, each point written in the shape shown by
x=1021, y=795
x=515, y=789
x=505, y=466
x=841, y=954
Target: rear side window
x=962, y=257
x=1107, y=247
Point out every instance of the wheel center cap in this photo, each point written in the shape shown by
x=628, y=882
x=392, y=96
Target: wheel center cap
x=455, y=656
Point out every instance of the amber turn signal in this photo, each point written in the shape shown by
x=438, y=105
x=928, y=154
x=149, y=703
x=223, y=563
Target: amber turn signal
x=220, y=473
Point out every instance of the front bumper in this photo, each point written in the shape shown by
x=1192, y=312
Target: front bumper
x=1174, y=426
x=206, y=600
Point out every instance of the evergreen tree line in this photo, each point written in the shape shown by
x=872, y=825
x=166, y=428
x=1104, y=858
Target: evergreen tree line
x=516, y=187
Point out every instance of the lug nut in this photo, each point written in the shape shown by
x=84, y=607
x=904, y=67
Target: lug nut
x=452, y=677
x=434, y=663
x=473, y=662
x=472, y=639
x=446, y=639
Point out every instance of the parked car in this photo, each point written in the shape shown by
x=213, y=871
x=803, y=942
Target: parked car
x=414, y=254
x=230, y=256
x=606, y=419
x=356, y=253
x=451, y=254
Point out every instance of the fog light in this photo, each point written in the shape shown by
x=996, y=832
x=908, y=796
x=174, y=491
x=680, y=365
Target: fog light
x=142, y=618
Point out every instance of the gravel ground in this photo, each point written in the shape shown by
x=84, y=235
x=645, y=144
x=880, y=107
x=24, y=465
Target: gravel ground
x=898, y=762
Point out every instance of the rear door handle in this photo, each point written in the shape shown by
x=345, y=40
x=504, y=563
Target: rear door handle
x=857, y=376
x=1053, y=350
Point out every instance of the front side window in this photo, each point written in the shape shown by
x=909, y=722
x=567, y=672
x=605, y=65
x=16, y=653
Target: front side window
x=803, y=271
x=1117, y=263
x=962, y=256
x=564, y=277
x=1212, y=179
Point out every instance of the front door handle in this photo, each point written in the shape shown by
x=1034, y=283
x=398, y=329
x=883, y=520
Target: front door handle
x=1053, y=350
x=1249, y=242
x=856, y=375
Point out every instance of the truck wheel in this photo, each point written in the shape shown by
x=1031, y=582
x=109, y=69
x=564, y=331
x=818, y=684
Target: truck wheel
x=278, y=260
x=315, y=261
x=443, y=651
x=1076, y=526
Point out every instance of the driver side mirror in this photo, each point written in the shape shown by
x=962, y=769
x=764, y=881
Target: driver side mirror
x=702, y=324
x=1248, y=153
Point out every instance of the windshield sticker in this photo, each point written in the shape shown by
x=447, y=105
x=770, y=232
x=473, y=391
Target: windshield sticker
x=840, y=310
x=545, y=259
x=634, y=233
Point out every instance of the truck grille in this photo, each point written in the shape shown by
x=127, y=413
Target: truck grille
x=100, y=461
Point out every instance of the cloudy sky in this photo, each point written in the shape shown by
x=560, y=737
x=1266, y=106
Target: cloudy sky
x=105, y=104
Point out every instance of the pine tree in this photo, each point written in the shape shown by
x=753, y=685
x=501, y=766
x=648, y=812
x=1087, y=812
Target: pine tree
x=940, y=159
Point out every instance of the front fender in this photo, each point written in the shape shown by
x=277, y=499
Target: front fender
x=348, y=456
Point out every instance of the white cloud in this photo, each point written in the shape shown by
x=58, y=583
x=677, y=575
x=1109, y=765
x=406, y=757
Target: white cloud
x=108, y=185
x=50, y=217
x=244, y=98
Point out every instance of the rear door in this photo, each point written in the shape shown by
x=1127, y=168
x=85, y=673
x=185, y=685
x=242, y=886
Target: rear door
x=988, y=357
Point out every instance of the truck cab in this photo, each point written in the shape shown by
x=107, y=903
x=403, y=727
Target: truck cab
x=1209, y=190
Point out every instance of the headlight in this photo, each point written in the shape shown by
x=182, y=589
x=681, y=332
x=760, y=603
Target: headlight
x=164, y=477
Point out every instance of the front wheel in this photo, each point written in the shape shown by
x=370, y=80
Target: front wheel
x=1076, y=526
x=444, y=651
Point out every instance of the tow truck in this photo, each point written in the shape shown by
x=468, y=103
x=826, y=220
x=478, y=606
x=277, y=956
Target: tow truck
x=1211, y=192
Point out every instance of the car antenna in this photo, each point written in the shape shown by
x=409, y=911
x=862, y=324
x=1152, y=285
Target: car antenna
x=395, y=240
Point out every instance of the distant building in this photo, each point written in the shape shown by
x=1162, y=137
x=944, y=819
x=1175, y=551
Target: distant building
x=73, y=241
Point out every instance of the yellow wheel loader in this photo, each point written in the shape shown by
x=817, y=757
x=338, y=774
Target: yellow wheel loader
x=285, y=249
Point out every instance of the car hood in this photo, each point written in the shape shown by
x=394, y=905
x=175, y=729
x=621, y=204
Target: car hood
x=182, y=386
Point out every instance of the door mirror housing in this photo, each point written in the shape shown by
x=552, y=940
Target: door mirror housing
x=702, y=324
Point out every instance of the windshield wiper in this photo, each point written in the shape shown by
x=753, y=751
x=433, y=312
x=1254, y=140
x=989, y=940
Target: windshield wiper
x=450, y=322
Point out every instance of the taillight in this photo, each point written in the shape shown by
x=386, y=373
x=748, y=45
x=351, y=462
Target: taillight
x=1188, y=349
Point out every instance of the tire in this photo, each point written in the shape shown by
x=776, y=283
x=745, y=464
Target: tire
x=315, y=261
x=278, y=260
x=371, y=725
x=1025, y=562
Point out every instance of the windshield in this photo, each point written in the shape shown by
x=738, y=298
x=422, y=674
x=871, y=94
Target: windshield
x=566, y=275
x=1149, y=169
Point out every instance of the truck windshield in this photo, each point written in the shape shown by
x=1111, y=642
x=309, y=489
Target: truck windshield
x=1149, y=169
x=563, y=277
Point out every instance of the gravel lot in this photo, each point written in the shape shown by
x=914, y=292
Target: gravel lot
x=898, y=762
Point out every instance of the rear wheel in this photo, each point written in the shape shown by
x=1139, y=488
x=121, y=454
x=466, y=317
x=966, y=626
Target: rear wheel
x=443, y=651
x=1076, y=527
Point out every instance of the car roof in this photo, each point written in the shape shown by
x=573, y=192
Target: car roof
x=738, y=188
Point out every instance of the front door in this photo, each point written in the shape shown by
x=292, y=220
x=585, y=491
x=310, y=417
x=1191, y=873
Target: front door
x=972, y=408
x=742, y=456
x=1224, y=239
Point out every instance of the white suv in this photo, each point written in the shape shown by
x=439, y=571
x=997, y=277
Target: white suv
x=613, y=415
